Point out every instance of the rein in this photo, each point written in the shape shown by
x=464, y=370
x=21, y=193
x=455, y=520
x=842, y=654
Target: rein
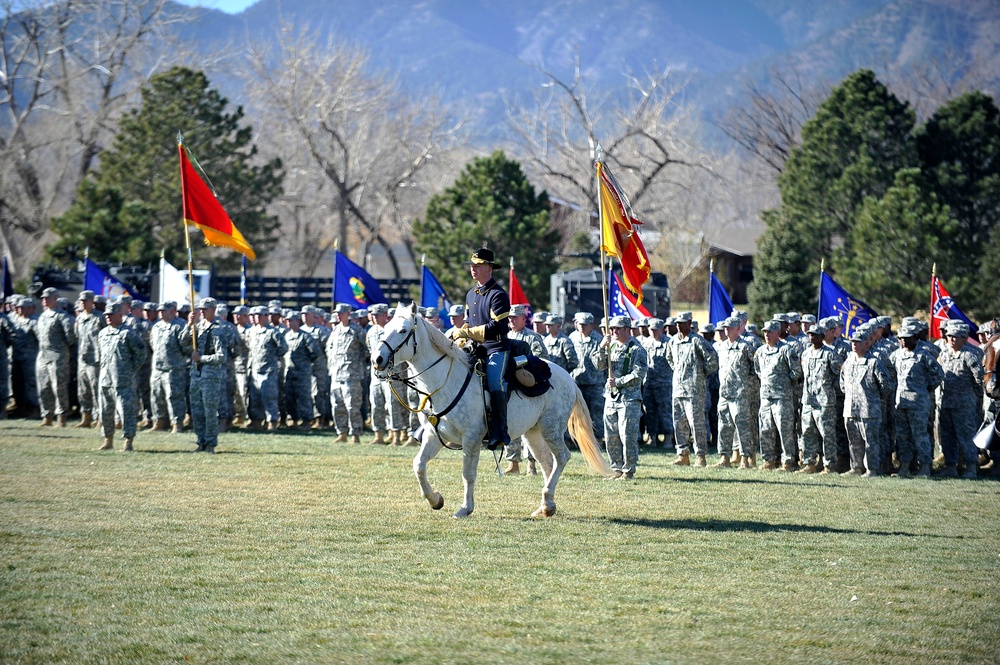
x=433, y=418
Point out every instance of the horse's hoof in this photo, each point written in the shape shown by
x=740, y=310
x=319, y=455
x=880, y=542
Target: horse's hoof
x=436, y=501
x=544, y=511
x=462, y=514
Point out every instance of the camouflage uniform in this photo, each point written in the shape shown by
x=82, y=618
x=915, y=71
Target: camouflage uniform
x=144, y=375
x=242, y=366
x=267, y=351
x=302, y=352
x=917, y=373
x=657, y=391
x=345, y=351
x=208, y=377
x=692, y=359
x=561, y=351
x=864, y=381
x=623, y=405
x=738, y=393
x=321, y=375
x=821, y=380
x=171, y=350
x=120, y=354
x=778, y=368
x=387, y=413
x=959, y=402
x=24, y=358
x=234, y=349
x=588, y=377
x=88, y=326
x=7, y=337
x=55, y=337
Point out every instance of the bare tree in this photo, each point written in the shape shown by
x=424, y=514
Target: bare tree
x=68, y=68
x=644, y=136
x=768, y=124
x=357, y=149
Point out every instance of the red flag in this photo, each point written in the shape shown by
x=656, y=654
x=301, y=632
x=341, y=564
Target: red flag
x=516, y=294
x=203, y=210
x=943, y=307
x=618, y=234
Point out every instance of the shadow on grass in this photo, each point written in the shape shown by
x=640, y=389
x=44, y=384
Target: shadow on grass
x=775, y=480
x=757, y=527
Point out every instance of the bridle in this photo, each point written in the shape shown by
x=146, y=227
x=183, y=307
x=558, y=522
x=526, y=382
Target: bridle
x=394, y=377
x=390, y=362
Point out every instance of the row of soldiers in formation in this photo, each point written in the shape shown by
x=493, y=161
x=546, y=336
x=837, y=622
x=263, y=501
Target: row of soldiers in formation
x=803, y=398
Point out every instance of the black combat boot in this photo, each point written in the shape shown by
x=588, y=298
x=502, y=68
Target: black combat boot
x=498, y=421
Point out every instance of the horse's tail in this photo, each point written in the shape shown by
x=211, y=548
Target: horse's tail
x=581, y=428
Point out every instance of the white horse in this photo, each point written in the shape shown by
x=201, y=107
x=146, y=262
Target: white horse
x=453, y=403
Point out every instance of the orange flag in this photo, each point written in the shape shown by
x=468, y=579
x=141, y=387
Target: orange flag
x=618, y=234
x=203, y=210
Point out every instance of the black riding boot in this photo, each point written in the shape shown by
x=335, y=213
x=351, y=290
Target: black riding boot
x=498, y=420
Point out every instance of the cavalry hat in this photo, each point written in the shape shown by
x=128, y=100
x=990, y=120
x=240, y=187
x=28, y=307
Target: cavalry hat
x=483, y=257
x=208, y=303
x=456, y=310
x=620, y=322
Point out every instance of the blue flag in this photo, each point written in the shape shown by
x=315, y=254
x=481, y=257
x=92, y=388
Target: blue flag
x=7, y=280
x=431, y=292
x=98, y=280
x=835, y=301
x=354, y=286
x=720, y=306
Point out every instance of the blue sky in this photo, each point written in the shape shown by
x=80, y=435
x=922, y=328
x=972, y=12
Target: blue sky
x=228, y=6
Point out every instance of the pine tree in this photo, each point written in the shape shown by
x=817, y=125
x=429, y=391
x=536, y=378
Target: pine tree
x=491, y=203
x=142, y=165
x=897, y=240
x=959, y=148
x=851, y=149
x=790, y=283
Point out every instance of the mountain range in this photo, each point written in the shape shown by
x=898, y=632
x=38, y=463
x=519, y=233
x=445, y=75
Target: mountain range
x=480, y=51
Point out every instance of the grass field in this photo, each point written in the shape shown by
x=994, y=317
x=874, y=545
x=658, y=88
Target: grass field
x=290, y=548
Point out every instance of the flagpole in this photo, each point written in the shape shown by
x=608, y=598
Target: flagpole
x=423, y=264
x=819, y=289
x=604, y=272
x=243, y=281
x=187, y=242
x=711, y=271
x=333, y=286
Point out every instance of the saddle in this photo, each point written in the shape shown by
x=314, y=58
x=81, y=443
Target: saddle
x=527, y=374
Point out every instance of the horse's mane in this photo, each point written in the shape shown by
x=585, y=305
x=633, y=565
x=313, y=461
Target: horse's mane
x=441, y=342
